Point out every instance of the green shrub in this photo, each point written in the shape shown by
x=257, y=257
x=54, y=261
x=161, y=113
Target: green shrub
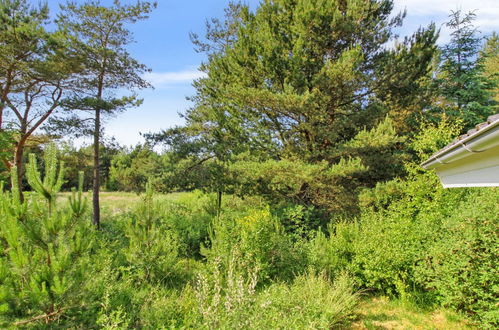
x=171, y=310
x=386, y=251
x=119, y=296
x=460, y=263
x=187, y=217
x=429, y=245
x=261, y=242
x=153, y=249
x=152, y=252
x=437, y=241
x=299, y=221
x=332, y=251
x=380, y=253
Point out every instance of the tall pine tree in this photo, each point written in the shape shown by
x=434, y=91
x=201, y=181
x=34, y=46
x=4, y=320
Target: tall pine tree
x=99, y=36
x=35, y=73
x=461, y=80
x=301, y=80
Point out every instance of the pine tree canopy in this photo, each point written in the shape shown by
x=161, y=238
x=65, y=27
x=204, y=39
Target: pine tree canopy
x=301, y=79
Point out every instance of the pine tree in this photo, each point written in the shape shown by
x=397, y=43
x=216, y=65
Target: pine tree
x=99, y=36
x=77, y=202
x=461, y=81
x=53, y=179
x=298, y=80
x=153, y=248
x=35, y=73
x=45, y=256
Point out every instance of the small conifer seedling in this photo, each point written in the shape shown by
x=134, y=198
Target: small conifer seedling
x=54, y=175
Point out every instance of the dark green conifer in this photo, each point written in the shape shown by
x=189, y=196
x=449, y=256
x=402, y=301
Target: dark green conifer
x=465, y=89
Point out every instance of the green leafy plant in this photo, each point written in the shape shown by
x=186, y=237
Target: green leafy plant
x=261, y=242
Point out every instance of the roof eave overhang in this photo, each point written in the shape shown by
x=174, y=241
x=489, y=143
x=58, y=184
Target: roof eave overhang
x=482, y=140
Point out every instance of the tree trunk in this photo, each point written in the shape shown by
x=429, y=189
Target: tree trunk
x=96, y=173
x=219, y=202
x=2, y=107
x=18, y=163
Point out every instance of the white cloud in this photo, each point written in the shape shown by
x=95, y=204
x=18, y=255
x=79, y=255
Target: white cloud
x=164, y=79
x=422, y=12
x=489, y=22
x=432, y=7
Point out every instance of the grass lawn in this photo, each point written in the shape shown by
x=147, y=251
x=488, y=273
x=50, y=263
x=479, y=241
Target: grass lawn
x=116, y=202
x=383, y=313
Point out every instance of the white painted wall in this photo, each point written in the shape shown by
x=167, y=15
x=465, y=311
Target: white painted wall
x=479, y=169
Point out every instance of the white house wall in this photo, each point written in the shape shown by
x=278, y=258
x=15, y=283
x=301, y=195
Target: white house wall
x=477, y=170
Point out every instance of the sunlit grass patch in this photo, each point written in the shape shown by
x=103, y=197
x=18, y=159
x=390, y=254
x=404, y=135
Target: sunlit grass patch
x=118, y=202
x=383, y=313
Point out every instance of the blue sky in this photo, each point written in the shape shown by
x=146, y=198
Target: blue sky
x=162, y=43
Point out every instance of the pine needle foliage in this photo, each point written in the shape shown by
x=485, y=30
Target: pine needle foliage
x=16, y=208
x=468, y=92
x=153, y=247
x=53, y=179
x=77, y=202
x=44, y=252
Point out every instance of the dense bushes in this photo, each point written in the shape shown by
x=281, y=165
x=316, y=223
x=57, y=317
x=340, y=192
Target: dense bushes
x=179, y=263
x=130, y=170
x=428, y=246
x=172, y=264
x=255, y=241
x=420, y=242
x=153, y=282
x=460, y=262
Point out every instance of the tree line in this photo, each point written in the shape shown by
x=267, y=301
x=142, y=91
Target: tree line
x=309, y=102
